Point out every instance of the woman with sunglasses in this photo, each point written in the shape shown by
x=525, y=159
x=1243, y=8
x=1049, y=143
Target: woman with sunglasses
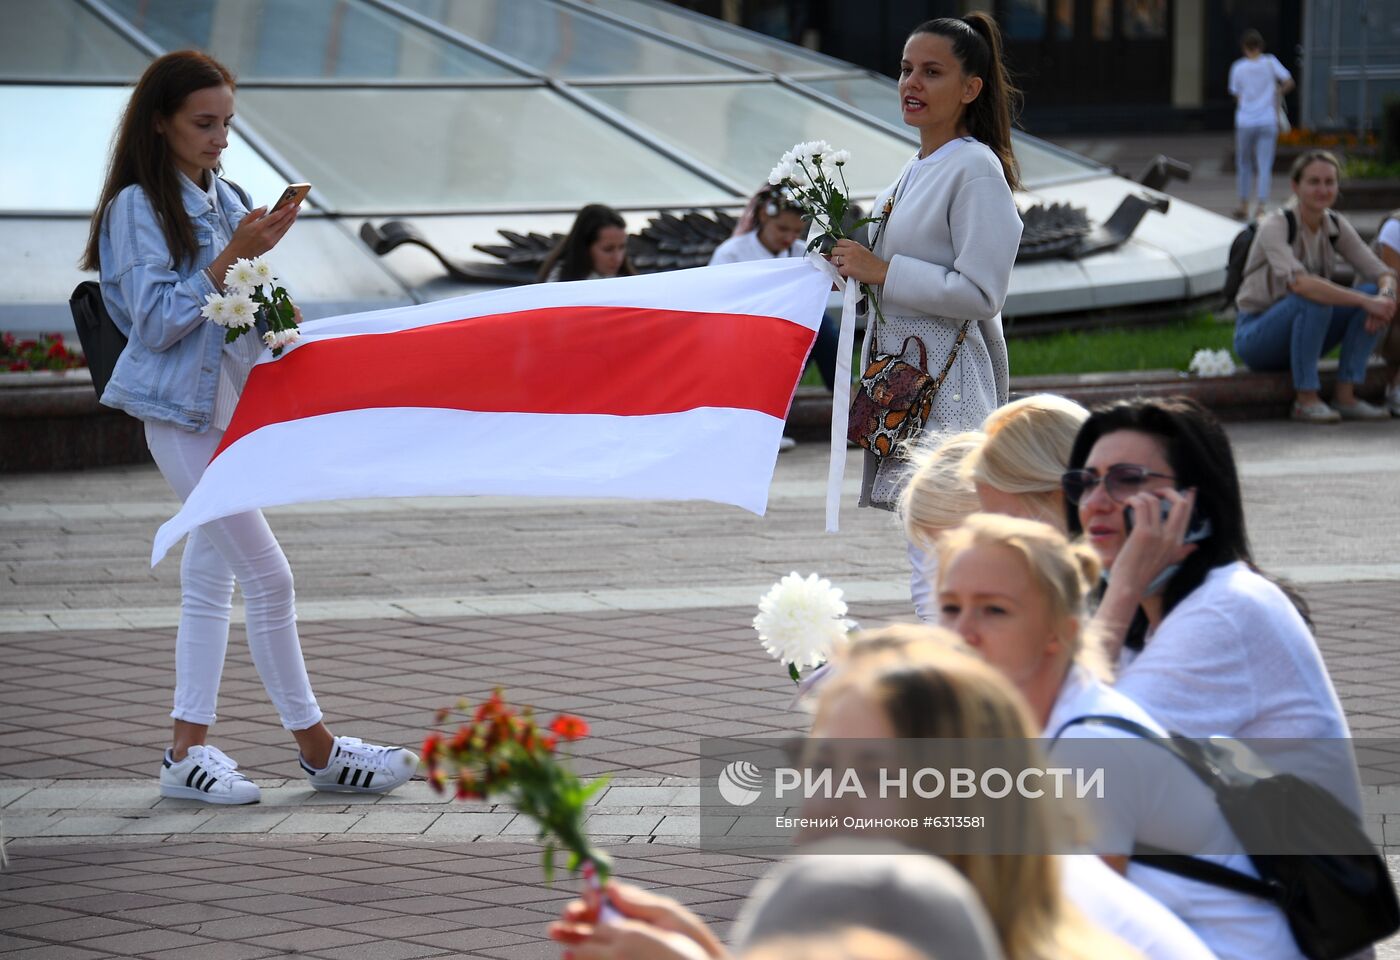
x=1204, y=641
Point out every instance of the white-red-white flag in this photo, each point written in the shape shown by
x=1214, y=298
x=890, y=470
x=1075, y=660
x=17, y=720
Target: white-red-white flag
x=668, y=386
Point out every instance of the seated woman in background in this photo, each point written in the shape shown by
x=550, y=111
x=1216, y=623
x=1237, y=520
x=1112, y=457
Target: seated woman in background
x=1016, y=591
x=772, y=227
x=1289, y=312
x=595, y=247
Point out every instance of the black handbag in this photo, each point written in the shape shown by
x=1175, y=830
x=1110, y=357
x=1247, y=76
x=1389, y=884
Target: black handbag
x=102, y=342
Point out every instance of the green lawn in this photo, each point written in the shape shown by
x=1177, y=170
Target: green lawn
x=1167, y=346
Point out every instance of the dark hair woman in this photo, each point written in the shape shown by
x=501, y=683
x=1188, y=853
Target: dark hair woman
x=947, y=236
x=1223, y=649
x=1289, y=310
x=595, y=247
x=164, y=233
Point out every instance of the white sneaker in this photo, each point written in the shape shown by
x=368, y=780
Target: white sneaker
x=359, y=767
x=208, y=774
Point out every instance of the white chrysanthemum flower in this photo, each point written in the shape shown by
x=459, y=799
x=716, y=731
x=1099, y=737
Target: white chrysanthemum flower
x=242, y=311
x=1212, y=363
x=240, y=277
x=840, y=157
x=801, y=622
x=270, y=338
x=290, y=336
x=215, y=309
x=262, y=272
x=781, y=173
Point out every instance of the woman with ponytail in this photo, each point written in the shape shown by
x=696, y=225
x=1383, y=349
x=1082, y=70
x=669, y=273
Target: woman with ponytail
x=948, y=232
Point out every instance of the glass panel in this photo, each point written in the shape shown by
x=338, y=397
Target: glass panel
x=561, y=43
x=426, y=150
x=1144, y=19
x=1103, y=19
x=1039, y=161
x=59, y=38
x=61, y=166
x=742, y=129
x=764, y=54
x=281, y=39
x=1024, y=19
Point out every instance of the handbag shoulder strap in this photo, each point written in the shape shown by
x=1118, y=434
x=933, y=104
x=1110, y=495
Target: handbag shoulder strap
x=952, y=355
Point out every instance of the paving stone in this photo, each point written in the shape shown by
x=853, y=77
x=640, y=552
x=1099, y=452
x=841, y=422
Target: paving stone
x=317, y=823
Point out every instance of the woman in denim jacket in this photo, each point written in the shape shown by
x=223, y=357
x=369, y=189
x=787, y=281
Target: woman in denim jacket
x=164, y=234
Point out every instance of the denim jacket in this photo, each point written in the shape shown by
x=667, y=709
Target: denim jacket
x=169, y=370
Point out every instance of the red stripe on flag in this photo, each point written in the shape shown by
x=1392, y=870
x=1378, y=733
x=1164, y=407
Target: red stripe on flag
x=623, y=361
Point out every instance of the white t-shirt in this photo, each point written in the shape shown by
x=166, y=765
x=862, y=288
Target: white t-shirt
x=1389, y=235
x=1151, y=798
x=1254, y=84
x=1235, y=659
x=1114, y=904
x=747, y=246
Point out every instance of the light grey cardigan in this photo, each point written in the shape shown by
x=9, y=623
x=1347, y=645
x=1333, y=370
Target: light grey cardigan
x=950, y=240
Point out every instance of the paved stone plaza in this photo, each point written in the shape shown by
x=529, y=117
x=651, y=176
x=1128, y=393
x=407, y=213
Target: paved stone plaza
x=634, y=615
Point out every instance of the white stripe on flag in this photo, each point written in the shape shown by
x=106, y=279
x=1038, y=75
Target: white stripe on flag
x=721, y=454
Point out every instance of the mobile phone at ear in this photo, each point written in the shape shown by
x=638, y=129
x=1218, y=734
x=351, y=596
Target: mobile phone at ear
x=295, y=193
x=1197, y=529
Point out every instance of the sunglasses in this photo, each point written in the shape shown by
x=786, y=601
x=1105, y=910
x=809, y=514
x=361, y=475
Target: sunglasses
x=1121, y=481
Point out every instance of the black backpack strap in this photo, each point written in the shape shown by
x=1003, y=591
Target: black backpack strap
x=1206, y=871
x=1104, y=720
x=243, y=194
x=1292, y=219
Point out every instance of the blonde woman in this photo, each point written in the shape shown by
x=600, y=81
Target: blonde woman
x=1017, y=470
x=1015, y=591
x=910, y=683
x=937, y=497
x=895, y=684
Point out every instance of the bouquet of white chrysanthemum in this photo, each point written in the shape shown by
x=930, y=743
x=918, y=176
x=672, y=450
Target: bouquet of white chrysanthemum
x=1212, y=363
x=810, y=171
x=801, y=622
x=251, y=291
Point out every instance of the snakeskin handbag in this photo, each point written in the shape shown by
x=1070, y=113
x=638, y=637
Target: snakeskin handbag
x=895, y=398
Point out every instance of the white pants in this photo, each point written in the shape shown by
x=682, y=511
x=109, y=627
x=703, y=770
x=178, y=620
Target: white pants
x=240, y=547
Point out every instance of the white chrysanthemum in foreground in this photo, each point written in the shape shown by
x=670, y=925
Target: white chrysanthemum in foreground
x=216, y=309
x=262, y=271
x=242, y=311
x=1212, y=363
x=240, y=276
x=839, y=157
x=801, y=622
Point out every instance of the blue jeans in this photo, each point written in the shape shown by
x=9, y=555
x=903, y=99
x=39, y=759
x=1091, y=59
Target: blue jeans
x=1254, y=154
x=1294, y=333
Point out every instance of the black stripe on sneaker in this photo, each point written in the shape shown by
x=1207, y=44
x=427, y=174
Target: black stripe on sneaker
x=355, y=780
x=190, y=778
x=368, y=777
x=199, y=784
x=344, y=772
x=212, y=781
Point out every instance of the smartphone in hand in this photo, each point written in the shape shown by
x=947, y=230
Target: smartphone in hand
x=295, y=193
x=1197, y=528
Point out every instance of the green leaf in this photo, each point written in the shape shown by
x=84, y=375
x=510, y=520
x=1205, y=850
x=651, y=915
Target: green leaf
x=547, y=862
x=794, y=673
x=231, y=335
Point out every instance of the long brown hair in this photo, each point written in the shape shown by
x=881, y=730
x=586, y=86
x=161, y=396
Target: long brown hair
x=976, y=41
x=141, y=156
x=572, y=255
